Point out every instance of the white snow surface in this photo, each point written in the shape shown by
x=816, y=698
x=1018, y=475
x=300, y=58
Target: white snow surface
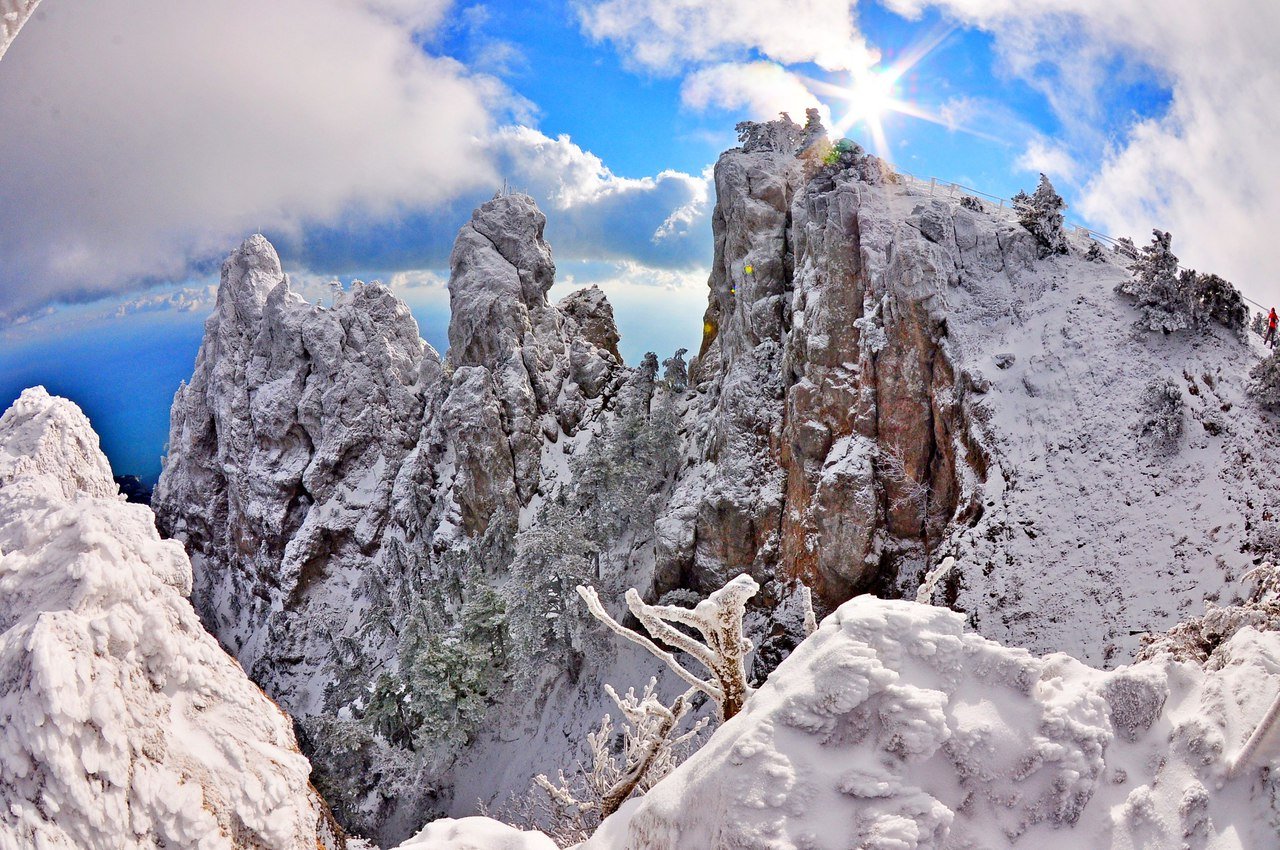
x=895, y=727
x=122, y=722
x=475, y=833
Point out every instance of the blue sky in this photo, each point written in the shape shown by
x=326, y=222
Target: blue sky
x=140, y=154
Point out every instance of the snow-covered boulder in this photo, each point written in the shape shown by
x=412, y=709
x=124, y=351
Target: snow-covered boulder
x=475, y=834
x=123, y=724
x=895, y=727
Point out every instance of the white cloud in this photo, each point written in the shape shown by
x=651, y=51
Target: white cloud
x=1207, y=169
x=592, y=213
x=1044, y=155
x=666, y=36
x=140, y=137
x=761, y=89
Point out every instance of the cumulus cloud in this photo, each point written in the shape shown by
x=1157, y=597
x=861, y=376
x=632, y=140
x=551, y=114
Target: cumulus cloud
x=1046, y=156
x=761, y=89
x=142, y=137
x=1206, y=168
x=661, y=221
x=666, y=37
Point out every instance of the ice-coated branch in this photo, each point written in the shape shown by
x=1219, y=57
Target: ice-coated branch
x=592, y=599
x=806, y=604
x=718, y=618
x=650, y=749
x=1250, y=747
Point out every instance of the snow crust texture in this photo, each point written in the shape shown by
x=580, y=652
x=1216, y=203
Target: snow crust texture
x=895, y=727
x=122, y=723
x=475, y=834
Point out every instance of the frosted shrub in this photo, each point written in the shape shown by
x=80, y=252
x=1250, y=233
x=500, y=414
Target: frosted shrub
x=1264, y=382
x=781, y=135
x=1258, y=324
x=969, y=202
x=1160, y=413
x=623, y=761
x=1197, y=638
x=1172, y=300
x=1094, y=254
x=1041, y=215
x=1214, y=299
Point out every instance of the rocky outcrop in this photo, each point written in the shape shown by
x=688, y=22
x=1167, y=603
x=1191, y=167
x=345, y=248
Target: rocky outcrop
x=335, y=480
x=282, y=453
x=828, y=444
x=122, y=723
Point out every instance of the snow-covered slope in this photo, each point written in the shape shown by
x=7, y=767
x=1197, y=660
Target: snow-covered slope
x=1092, y=529
x=895, y=727
x=122, y=722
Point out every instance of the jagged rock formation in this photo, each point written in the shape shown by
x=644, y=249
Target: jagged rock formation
x=288, y=439
x=122, y=723
x=895, y=727
x=328, y=471
x=389, y=540
x=835, y=442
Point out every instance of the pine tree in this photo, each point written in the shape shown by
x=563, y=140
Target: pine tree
x=1041, y=215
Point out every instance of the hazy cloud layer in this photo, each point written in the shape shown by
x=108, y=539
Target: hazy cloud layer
x=145, y=140
x=141, y=136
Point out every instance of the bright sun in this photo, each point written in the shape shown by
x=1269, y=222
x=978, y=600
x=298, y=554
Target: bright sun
x=871, y=95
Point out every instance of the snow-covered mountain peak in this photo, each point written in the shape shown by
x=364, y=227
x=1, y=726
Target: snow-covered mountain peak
x=248, y=276
x=47, y=442
x=122, y=723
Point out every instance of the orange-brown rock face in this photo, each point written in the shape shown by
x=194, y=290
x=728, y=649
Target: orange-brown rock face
x=832, y=412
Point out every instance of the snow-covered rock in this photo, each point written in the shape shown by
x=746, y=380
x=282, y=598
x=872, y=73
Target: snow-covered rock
x=896, y=727
x=344, y=492
x=282, y=454
x=475, y=834
x=123, y=724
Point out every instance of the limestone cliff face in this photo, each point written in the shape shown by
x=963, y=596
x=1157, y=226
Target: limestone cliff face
x=829, y=422
x=282, y=453
x=326, y=466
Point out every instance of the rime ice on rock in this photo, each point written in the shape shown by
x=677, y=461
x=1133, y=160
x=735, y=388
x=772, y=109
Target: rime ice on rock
x=894, y=726
x=122, y=723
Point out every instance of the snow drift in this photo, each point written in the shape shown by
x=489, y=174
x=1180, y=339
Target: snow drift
x=894, y=727
x=122, y=722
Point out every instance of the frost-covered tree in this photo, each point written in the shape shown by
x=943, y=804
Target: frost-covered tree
x=1094, y=254
x=1157, y=286
x=718, y=618
x=1173, y=299
x=1160, y=413
x=1264, y=382
x=545, y=620
x=1041, y=215
x=676, y=371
